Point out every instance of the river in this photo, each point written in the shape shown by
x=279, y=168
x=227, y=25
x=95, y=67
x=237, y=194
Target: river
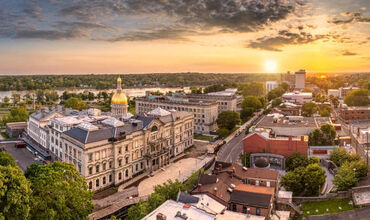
x=133, y=92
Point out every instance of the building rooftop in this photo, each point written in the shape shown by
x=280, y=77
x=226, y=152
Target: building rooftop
x=16, y=125
x=176, y=210
x=306, y=94
x=88, y=132
x=177, y=100
x=249, y=198
x=292, y=122
x=244, y=173
x=255, y=189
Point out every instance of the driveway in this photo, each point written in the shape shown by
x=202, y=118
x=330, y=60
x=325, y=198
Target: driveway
x=329, y=179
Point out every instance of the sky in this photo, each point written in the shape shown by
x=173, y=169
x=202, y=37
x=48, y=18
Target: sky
x=154, y=36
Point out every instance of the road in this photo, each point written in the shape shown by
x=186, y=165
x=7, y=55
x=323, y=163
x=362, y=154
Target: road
x=231, y=151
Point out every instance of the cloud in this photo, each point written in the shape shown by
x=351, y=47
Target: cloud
x=230, y=15
x=63, y=30
x=353, y=17
x=168, y=33
x=348, y=53
x=284, y=38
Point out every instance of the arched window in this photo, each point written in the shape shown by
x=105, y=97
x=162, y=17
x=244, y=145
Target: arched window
x=154, y=128
x=126, y=174
x=90, y=185
x=119, y=175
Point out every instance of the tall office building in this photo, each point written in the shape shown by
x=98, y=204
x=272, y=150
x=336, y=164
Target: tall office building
x=300, y=79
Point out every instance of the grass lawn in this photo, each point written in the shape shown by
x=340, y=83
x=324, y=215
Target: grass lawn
x=5, y=135
x=326, y=207
x=203, y=137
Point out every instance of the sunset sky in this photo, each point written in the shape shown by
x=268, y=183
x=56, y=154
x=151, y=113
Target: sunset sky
x=150, y=36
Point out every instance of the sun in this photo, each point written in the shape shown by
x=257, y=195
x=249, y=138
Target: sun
x=270, y=66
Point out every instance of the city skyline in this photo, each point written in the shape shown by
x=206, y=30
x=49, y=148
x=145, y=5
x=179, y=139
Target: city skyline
x=84, y=37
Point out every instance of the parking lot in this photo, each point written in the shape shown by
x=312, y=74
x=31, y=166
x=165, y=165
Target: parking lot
x=22, y=156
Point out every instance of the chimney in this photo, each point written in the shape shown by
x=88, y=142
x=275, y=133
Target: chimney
x=161, y=216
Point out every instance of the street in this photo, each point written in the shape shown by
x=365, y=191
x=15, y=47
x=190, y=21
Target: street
x=231, y=151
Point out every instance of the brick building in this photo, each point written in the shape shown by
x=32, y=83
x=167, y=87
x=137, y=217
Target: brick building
x=354, y=113
x=285, y=146
x=240, y=189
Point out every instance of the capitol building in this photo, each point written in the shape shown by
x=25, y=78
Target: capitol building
x=112, y=148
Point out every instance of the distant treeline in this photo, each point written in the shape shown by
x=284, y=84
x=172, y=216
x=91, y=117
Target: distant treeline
x=34, y=82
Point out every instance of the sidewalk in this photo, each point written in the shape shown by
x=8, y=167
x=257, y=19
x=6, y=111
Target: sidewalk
x=180, y=170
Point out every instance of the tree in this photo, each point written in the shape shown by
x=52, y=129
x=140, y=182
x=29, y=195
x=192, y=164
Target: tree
x=59, y=192
x=246, y=113
x=358, y=97
x=15, y=194
x=251, y=102
x=325, y=111
x=314, y=160
x=155, y=200
x=17, y=114
x=170, y=189
x=75, y=103
x=296, y=160
x=359, y=166
x=334, y=101
x=228, y=119
x=196, y=90
x=276, y=102
x=245, y=159
x=6, y=159
x=307, y=90
x=292, y=181
x=252, y=89
x=322, y=137
x=309, y=108
x=340, y=155
x=345, y=178
x=223, y=132
x=6, y=99
x=138, y=211
x=314, y=179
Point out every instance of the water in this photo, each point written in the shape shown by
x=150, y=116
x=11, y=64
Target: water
x=135, y=92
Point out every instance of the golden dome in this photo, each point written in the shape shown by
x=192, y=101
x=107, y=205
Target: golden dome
x=119, y=98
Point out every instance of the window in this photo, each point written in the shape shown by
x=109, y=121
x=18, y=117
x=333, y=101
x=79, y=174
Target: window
x=126, y=147
x=110, y=164
x=244, y=209
x=126, y=174
x=104, y=181
x=97, y=169
x=120, y=150
x=126, y=160
x=90, y=185
x=90, y=170
x=249, y=181
x=153, y=163
x=268, y=183
x=90, y=157
x=120, y=162
x=258, y=211
x=104, y=166
x=234, y=207
x=97, y=183
x=120, y=176
x=110, y=178
x=137, y=167
x=142, y=165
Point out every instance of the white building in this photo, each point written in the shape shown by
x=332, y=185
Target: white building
x=300, y=79
x=297, y=97
x=270, y=85
x=344, y=90
x=333, y=92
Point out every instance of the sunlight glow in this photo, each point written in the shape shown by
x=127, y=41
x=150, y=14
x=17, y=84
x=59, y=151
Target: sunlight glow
x=270, y=66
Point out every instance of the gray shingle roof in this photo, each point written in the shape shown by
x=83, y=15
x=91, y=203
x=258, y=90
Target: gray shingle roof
x=250, y=199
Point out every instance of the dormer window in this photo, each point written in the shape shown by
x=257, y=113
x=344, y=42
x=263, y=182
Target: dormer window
x=154, y=129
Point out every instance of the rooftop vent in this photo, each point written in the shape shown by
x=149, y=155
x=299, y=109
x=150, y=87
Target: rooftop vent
x=182, y=216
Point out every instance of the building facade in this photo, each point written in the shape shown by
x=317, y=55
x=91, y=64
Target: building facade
x=300, y=79
x=297, y=97
x=112, y=152
x=257, y=143
x=270, y=85
x=205, y=112
x=354, y=113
